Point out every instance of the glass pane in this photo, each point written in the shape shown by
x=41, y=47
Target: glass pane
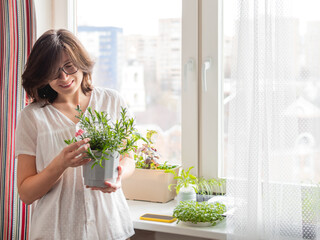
x=137, y=46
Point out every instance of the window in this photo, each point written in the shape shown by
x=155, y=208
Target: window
x=173, y=50
x=141, y=59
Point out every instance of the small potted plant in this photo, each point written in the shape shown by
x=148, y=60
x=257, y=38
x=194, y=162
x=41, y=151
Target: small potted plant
x=208, y=188
x=199, y=214
x=186, y=186
x=108, y=140
x=149, y=181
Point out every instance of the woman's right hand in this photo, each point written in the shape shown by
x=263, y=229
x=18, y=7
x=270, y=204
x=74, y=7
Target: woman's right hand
x=33, y=185
x=74, y=155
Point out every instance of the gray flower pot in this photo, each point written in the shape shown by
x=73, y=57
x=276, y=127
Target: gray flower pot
x=96, y=176
x=203, y=197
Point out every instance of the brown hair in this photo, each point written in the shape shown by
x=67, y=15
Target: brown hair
x=44, y=60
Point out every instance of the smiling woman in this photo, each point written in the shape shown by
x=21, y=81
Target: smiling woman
x=52, y=52
x=57, y=79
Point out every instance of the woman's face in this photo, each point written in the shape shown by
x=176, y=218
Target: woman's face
x=67, y=84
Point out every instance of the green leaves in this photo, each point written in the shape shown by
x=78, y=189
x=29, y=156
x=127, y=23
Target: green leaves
x=72, y=140
x=185, y=179
x=106, y=135
x=147, y=156
x=165, y=166
x=211, y=186
x=149, y=135
x=195, y=212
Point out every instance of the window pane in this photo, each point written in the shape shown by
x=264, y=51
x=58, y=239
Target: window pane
x=137, y=46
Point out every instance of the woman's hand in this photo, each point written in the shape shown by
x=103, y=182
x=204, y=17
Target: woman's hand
x=33, y=185
x=110, y=187
x=75, y=154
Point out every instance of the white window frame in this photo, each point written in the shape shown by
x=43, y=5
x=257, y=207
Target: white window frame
x=211, y=101
x=202, y=103
x=202, y=111
x=189, y=88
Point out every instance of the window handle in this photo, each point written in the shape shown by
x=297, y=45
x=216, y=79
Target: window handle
x=188, y=67
x=205, y=66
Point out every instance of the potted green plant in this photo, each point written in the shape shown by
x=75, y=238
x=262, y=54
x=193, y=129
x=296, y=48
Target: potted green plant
x=208, y=188
x=149, y=181
x=186, y=186
x=108, y=140
x=199, y=213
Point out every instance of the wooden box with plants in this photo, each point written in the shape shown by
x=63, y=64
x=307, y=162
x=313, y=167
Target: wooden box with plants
x=149, y=181
x=108, y=140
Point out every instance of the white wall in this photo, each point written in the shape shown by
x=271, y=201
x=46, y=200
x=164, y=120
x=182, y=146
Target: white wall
x=43, y=15
x=53, y=14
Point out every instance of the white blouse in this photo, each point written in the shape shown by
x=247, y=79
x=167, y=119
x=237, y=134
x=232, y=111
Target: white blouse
x=70, y=210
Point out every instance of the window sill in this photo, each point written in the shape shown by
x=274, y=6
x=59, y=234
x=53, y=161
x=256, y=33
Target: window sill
x=138, y=208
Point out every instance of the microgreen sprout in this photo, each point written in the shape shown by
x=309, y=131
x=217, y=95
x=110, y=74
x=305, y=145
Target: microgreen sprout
x=199, y=212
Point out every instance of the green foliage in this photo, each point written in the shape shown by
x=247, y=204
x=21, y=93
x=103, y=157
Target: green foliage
x=105, y=135
x=149, y=135
x=72, y=140
x=165, y=166
x=184, y=180
x=141, y=163
x=210, y=186
x=195, y=212
x=147, y=156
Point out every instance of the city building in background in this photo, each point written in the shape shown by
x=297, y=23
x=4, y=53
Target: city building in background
x=169, y=55
x=145, y=69
x=132, y=86
x=105, y=44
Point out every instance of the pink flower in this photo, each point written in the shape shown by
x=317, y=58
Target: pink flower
x=79, y=133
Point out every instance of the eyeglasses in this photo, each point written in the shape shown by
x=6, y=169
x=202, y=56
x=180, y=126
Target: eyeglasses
x=68, y=69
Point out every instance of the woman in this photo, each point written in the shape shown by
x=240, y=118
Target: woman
x=57, y=78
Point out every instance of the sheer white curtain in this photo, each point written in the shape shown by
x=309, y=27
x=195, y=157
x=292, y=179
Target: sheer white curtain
x=274, y=121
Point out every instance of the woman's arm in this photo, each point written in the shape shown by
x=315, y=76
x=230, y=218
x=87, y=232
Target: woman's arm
x=128, y=166
x=33, y=185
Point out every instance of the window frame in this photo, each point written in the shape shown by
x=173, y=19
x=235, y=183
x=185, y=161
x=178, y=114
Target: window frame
x=212, y=138
x=202, y=137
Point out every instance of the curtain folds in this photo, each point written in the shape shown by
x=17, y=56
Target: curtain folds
x=18, y=32
x=274, y=121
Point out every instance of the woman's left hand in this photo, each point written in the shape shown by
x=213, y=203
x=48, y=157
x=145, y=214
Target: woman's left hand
x=110, y=187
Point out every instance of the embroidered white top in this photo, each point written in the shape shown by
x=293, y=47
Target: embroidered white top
x=70, y=210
